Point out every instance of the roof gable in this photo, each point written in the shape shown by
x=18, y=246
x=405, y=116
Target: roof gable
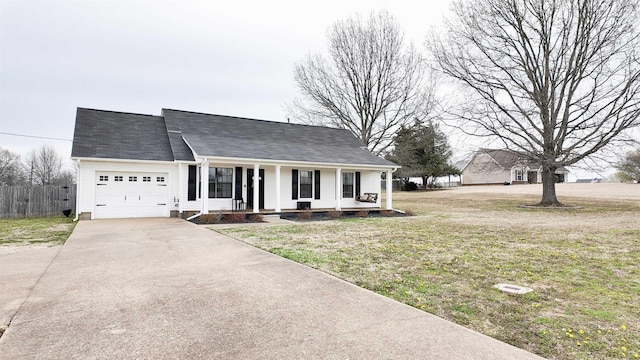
x=234, y=137
x=506, y=158
x=117, y=135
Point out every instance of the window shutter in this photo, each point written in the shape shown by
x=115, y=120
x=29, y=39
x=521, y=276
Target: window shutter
x=192, y=183
x=357, y=183
x=238, y=183
x=294, y=184
x=316, y=175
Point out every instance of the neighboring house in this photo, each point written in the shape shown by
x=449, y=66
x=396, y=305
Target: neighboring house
x=185, y=163
x=489, y=166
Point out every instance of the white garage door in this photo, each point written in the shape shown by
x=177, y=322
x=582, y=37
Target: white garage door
x=127, y=195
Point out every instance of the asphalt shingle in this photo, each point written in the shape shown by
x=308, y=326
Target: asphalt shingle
x=117, y=135
x=177, y=135
x=233, y=137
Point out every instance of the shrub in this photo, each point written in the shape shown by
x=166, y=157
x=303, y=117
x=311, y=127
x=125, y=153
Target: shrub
x=234, y=218
x=409, y=186
x=215, y=218
x=387, y=213
x=305, y=215
x=333, y=214
x=362, y=213
x=256, y=218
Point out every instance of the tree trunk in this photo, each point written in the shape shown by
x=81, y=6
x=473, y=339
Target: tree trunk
x=549, y=188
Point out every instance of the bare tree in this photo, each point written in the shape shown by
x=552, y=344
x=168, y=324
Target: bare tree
x=10, y=170
x=43, y=165
x=372, y=83
x=65, y=177
x=557, y=80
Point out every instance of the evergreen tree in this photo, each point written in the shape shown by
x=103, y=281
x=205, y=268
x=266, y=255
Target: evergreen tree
x=422, y=150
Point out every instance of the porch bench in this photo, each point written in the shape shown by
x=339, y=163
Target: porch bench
x=368, y=197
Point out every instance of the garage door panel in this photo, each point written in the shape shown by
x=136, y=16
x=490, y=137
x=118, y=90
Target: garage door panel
x=126, y=195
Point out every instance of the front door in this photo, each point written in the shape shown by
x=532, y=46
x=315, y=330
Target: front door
x=250, y=189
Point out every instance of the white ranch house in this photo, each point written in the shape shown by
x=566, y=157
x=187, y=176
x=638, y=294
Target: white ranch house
x=134, y=165
x=501, y=166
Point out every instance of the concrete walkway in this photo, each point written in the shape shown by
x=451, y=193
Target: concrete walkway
x=168, y=289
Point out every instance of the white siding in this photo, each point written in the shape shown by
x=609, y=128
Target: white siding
x=183, y=190
x=177, y=182
x=370, y=182
x=87, y=179
x=484, y=170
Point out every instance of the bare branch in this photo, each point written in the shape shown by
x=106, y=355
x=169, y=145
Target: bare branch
x=556, y=80
x=371, y=84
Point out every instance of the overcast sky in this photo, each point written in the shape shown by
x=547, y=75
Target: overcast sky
x=222, y=57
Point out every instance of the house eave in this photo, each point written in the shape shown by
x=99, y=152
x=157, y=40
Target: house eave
x=244, y=161
x=81, y=159
x=270, y=162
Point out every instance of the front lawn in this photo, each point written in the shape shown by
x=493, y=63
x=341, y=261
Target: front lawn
x=47, y=231
x=584, y=266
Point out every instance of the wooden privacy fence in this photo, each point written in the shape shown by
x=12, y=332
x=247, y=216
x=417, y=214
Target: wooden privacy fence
x=36, y=200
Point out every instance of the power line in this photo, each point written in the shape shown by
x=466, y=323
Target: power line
x=33, y=136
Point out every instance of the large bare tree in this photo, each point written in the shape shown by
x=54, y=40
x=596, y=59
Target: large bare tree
x=43, y=165
x=557, y=80
x=371, y=84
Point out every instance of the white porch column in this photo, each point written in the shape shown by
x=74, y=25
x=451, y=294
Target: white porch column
x=278, y=206
x=338, y=189
x=204, y=187
x=389, y=186
x=180, y=187
x=256, y=188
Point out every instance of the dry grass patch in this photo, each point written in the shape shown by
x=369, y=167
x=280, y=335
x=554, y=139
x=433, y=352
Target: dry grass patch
x=44, y=231
x=584, y=267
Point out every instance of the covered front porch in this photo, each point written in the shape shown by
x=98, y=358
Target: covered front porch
x=272, y=188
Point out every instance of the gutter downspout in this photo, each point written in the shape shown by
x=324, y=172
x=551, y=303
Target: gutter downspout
x=201, y=198
x=77, y=165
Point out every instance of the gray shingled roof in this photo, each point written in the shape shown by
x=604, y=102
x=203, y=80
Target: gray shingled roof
x=181, y=150
x=225, y=136
x=506, y=158
x=509, y=158
x=176, y=135
x=117, y=135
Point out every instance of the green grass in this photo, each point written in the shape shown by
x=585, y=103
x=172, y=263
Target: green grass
x=584, y=267
x=30, y=231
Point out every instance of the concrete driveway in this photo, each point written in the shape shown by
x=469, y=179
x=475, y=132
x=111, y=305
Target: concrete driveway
x=168, y=289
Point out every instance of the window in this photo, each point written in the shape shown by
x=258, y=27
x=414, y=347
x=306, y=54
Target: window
x=306, y=184
x=104, y=178
x=117, y=178
x=220, y=183
x=146, y=179
x=347, y=185
x=518, y=175
x=160, y=179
